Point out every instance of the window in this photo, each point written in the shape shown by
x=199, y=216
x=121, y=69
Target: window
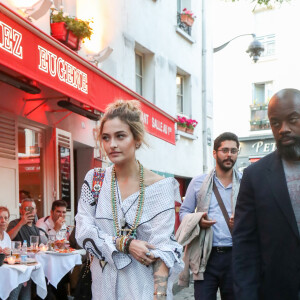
x=179, y=92
x=268, y=41
x=139, y=73
x=262, y=93
x=144, y=72
x=181, y=4
x=30, y=158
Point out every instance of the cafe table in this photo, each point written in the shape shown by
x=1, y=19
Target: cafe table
x=13, y=275
x=57, y=265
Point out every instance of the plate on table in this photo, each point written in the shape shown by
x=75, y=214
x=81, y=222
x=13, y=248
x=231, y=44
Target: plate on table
x=60, y=253
x=30, y=260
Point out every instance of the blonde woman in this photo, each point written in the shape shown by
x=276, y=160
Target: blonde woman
x=130, y=230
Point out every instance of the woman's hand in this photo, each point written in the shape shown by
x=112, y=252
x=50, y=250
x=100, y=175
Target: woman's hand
x=140, y=250
x=6, y=251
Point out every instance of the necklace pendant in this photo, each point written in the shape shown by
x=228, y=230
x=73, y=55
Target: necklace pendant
x=122, y=222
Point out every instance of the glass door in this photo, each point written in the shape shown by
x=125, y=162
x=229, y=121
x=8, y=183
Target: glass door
x=30, y=159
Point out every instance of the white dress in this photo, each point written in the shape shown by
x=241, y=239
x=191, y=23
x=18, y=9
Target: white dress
x=6, y=242
x=118, y=276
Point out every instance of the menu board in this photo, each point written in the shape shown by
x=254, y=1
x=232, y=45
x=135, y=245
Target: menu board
x=65, y=175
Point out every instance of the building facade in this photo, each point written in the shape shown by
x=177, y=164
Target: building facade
x=52, y=97
x=242, y=88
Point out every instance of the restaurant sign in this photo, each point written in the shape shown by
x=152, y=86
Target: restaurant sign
x=34, y=54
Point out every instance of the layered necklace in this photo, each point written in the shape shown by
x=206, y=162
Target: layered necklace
x=139, y=210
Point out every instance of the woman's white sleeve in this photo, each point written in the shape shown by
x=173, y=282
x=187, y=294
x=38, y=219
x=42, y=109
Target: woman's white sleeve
x=162, y=235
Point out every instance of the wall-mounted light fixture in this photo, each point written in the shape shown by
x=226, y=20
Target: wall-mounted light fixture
x=24, y=85
x=100, y=56
x=78, y=110
x=32, y=9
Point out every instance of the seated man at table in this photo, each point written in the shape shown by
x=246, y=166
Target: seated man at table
x=21, y=229
x=55, y=224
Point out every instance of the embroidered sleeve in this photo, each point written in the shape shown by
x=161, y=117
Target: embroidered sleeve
x=90, y=236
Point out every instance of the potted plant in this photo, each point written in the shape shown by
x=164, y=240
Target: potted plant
x=191, y=124
x=187, y=17
x=181, y=123
x=69, y=30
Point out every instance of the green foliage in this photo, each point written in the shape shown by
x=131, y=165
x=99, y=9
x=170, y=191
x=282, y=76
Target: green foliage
x=79, y=27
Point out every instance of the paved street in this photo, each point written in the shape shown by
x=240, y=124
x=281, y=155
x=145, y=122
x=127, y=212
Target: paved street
x=185, y=293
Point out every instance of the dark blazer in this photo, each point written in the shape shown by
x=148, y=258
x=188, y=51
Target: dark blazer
x=266, y=241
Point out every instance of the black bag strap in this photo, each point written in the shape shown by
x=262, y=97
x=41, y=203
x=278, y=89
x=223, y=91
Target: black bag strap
x=222, y=206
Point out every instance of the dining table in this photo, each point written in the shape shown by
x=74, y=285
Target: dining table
x=56, y=265
x=13, y=275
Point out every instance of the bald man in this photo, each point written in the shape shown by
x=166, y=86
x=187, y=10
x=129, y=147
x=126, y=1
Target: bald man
x=266, y=239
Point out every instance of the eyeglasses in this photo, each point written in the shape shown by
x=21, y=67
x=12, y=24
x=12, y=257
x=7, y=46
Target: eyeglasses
x=3, y=218
x=232, y=150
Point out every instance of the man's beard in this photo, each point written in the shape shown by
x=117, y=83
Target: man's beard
x=221, y=164
x=290, y=152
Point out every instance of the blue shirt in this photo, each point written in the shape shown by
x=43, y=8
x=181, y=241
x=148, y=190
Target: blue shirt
x=221, y=233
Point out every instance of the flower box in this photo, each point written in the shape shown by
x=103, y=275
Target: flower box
x=186, y=125
x=190, y=130
x=187, y=19
x=181, y=128
x=59, y=31
x=69, y=30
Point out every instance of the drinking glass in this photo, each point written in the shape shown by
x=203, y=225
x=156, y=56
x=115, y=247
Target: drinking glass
x=51, y=241
x=34, y=243
x=16, y=248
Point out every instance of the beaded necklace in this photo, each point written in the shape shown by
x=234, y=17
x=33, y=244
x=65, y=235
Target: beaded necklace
x=139, y=210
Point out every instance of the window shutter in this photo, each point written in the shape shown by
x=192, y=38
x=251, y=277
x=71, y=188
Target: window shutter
x=9, y=176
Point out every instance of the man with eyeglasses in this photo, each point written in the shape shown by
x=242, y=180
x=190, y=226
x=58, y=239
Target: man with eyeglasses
x=266, y=236
x=207, y=216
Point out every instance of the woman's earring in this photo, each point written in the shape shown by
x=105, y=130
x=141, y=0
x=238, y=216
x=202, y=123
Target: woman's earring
x=137, y=146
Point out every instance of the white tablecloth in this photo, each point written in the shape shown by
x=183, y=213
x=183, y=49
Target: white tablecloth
x=12, y=276
x=57, y=266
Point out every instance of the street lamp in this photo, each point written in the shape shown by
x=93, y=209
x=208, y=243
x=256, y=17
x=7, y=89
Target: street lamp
x=255, y=48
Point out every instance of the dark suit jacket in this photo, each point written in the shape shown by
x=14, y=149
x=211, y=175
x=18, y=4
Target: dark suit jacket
x=266, y=241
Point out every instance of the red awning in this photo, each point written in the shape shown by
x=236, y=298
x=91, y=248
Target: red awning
x=29, y=51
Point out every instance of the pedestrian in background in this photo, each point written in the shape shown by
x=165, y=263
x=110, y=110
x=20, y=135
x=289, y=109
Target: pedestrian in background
x=206, y=232
x=130, y=231
x=266, y=241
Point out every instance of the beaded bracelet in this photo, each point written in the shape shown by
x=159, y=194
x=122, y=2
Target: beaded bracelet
x=124, y=243
x=159, y=294
x=126, y=248
x=120, y=243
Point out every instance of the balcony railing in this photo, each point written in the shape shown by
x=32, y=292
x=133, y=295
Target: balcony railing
x=258, y=107
x=183, y=26
x=259, y=125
